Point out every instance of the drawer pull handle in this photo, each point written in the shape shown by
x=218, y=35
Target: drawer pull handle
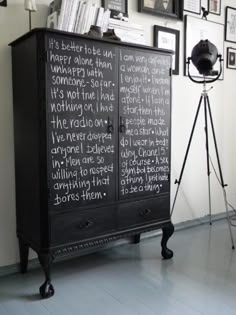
x=145, y=212
x=122, y=125
x=86, y=225
x=110, y=128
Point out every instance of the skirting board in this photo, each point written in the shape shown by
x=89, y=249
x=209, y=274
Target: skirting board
x=34, y=263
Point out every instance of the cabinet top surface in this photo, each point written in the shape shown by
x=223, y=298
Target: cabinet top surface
x=48, y=31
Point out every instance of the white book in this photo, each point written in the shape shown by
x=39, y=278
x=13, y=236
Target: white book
x=68, y=14
x=72, y=20
x=106, y=18
x=94, y=17
x=99, y=17
x=78, y=16
x=61, y=15
x=114, y=22
x=85, y=16
x=127, y=29
x=131, y=33
x=79, y=24
x=90, y=19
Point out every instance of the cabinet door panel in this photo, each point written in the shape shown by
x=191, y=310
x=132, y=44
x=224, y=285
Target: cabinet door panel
x=144, y=123
x=81, y=111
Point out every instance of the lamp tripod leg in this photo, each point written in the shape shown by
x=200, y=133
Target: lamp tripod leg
x=223, y=185
x=178, y=181
x=207, y=158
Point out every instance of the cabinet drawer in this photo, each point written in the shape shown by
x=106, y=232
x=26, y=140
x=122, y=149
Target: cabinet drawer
x=73, y=227
x=143, y=212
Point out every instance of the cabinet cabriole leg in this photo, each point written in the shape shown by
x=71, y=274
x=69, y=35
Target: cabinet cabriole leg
x=24, y=254
x=168, y=230
x=46, y=290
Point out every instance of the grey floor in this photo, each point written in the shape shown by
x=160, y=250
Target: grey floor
x=133, y=279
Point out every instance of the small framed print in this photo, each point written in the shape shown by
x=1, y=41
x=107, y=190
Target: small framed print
x=214, y=6
x=193, y=6
x=116, y=7
x=230, y=24
x=231, y=58
x=165, y=8
x=3, y=3
x=168, y=38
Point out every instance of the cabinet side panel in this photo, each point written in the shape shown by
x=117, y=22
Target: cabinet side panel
x=26, y=133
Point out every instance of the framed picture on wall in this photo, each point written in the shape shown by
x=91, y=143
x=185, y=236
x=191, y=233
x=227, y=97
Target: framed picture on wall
x=165, y=8
x=231, y=58
x=197, y=29
x=116, y=6
x=168, y=38
x=3, y=3
x=230, y=24
x=193, y=6
x=214, y=6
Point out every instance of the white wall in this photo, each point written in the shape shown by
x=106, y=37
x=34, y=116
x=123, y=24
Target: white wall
x=192, y=201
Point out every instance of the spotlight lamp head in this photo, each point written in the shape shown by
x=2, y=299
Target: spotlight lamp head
x=204, y=56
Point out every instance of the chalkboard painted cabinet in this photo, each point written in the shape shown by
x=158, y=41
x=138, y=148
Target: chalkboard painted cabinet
x=92, y=121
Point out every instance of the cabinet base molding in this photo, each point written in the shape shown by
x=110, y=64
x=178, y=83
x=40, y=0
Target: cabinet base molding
x=47, y=257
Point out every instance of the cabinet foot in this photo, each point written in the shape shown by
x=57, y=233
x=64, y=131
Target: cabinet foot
x=46, y=290
x=24, y=254
x=168, y=230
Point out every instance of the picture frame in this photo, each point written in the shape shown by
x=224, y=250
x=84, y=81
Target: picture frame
x=214, y=7
x=230, y=24
x=168, y=38
x=165, y=8
x=231, y=58
x=193, y=6
x=197, y=29
x=116, y=7
x=3, y=3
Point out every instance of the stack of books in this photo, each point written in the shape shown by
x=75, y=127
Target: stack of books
x=128, y=32
x=77, y=16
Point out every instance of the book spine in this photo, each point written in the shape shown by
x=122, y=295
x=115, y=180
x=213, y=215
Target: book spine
x=79, y=27
x=100, y=16
x=85, y=17
x=65, y=16
x=94, y=15
x=106, y=18
x=68, y=14
x=78, y=16
x=61, y=15
x=74, y=9
x=88, y=19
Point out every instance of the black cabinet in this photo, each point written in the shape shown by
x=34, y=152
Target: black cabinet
x=92, y=121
